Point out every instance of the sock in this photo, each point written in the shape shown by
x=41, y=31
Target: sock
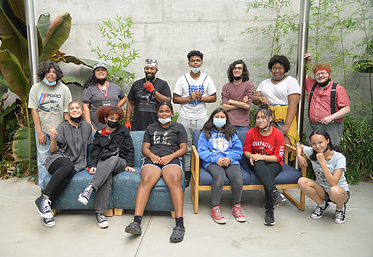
x=179, y=222
x=137, y=219
x=322, y=205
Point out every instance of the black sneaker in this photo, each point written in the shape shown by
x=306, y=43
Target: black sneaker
x=43, y=205
x=49, y=222
x=278, y=198
x=269, y=218
x=319, y=212
x=134, y=228
x=84, y=196
x=340, y=216
x=101, y=220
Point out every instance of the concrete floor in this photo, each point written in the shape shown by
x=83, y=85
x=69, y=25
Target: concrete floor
x=295, y=234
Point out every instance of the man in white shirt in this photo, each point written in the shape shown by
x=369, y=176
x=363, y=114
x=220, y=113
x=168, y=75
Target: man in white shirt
x=193, y=90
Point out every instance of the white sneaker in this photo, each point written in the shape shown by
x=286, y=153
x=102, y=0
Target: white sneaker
x=49, y=222
x=101, y=220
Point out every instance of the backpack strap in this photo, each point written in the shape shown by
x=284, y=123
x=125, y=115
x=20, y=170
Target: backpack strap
x=310, y=97
x=332, y=97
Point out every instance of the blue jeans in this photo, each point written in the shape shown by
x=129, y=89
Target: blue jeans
x=242, y=128
x=42, y=154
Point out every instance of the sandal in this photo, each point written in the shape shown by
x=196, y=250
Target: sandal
x=134, y=228
x=178, y=234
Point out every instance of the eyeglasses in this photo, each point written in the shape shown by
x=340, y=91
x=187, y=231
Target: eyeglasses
x=237, y=68
x=321, y=74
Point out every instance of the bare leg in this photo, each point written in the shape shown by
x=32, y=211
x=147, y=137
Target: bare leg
x=172, y=177
x=338, y=195
x=312, y=189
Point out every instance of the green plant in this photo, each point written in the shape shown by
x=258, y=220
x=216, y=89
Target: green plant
x=119, y=43
x=357, y=146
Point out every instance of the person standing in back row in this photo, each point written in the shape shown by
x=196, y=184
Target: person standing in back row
x=144, y=96
x=237, y=95
x=192, y=91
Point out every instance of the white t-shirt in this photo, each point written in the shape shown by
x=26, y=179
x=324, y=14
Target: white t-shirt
x=51, y=103
x=278, y=94
x=186, y=85
x=338, y=161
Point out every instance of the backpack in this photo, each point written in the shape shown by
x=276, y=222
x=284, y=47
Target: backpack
x=332, y=98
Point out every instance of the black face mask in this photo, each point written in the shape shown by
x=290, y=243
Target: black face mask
x=324, y=84
x=99, y=81
x=76, y=120
x=237, y=78
x=112, y=124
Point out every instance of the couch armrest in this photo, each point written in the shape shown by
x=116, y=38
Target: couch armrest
x=194, y=162
x=291, y=149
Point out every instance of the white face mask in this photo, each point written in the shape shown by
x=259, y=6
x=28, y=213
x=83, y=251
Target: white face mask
x=195, y=70
x=164, y=121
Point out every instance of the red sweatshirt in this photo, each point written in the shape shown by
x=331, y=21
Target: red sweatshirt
x=273, y=144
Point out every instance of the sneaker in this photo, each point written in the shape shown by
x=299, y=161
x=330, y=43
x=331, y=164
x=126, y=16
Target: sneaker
x=84, y=196
x=340, y=216
x=238, y=213
x=278, y=198
x=216, y=215
x=49, y=222
x=269, y=218
x=43, y=205
x=101, y=220
x=319, y=212
x=134, y=228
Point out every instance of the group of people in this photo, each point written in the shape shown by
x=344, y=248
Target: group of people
x=62, y=146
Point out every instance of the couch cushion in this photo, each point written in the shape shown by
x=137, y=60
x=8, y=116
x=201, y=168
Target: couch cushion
x=205, y=177
x=137, y=139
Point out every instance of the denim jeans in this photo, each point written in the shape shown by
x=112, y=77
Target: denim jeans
x=42, y=154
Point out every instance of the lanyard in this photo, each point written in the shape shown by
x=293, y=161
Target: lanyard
x=105, y=94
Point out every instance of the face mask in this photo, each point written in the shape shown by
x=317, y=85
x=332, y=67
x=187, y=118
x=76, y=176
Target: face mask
x=324, y=84
x=100, y=81
x=195, y=70
x=238, y=78
x=49, y=83
x=275, y=79
x=164, y=121
x=76, y=120
x=112, y=124
x=219, y=123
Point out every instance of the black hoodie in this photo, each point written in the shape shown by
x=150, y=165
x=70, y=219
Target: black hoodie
x=118, y=138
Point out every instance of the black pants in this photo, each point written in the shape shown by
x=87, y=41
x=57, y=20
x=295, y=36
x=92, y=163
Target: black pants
x=266, y=173
x=62, y=170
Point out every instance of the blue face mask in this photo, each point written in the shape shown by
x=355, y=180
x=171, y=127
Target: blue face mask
x=49, y=83
x=195, y=70
x=164, y=121
x=219, y=123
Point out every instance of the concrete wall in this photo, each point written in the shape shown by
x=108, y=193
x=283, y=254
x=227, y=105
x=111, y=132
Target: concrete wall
x=167, y=30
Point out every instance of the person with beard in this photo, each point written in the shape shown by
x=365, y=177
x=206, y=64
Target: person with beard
x=320, y=110
x=237, y=95
x=112, y=152
x=98, y=92
x=192, y=91
x=144, y=96
x=68, y=146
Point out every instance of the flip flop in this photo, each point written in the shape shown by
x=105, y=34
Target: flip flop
x=177, y=235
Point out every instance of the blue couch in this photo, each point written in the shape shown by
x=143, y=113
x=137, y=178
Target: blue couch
x=124, y=188
x=201, y=179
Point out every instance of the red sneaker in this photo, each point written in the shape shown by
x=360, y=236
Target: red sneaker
x=238, y=213
x=216, y=215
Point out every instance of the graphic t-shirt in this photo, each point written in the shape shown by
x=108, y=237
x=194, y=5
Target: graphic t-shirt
x=273, y=144
x=51, y=103
x=186, y=85
x=165, y=141
x=145, y=107
x=338, y=161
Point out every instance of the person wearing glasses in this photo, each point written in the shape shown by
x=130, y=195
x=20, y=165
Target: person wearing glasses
x=282, y=93
x=320, y=106
x=237, y=95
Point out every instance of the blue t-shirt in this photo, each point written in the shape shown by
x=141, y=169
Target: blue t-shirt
x=338, y=161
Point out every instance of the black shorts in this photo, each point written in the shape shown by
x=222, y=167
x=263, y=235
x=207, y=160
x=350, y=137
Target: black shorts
x=147, y=162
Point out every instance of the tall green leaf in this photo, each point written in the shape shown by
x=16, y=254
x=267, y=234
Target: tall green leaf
x=12, y=72
x=24, y=145
x=73, y=80
x=57, y=34
x=43, y=24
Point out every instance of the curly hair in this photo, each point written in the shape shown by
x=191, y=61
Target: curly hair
x=245, y=72
x=281, y=59
x=107, y=110
x=45, y=68
x=195, y=53
x=321, y=66
x=228, y=129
